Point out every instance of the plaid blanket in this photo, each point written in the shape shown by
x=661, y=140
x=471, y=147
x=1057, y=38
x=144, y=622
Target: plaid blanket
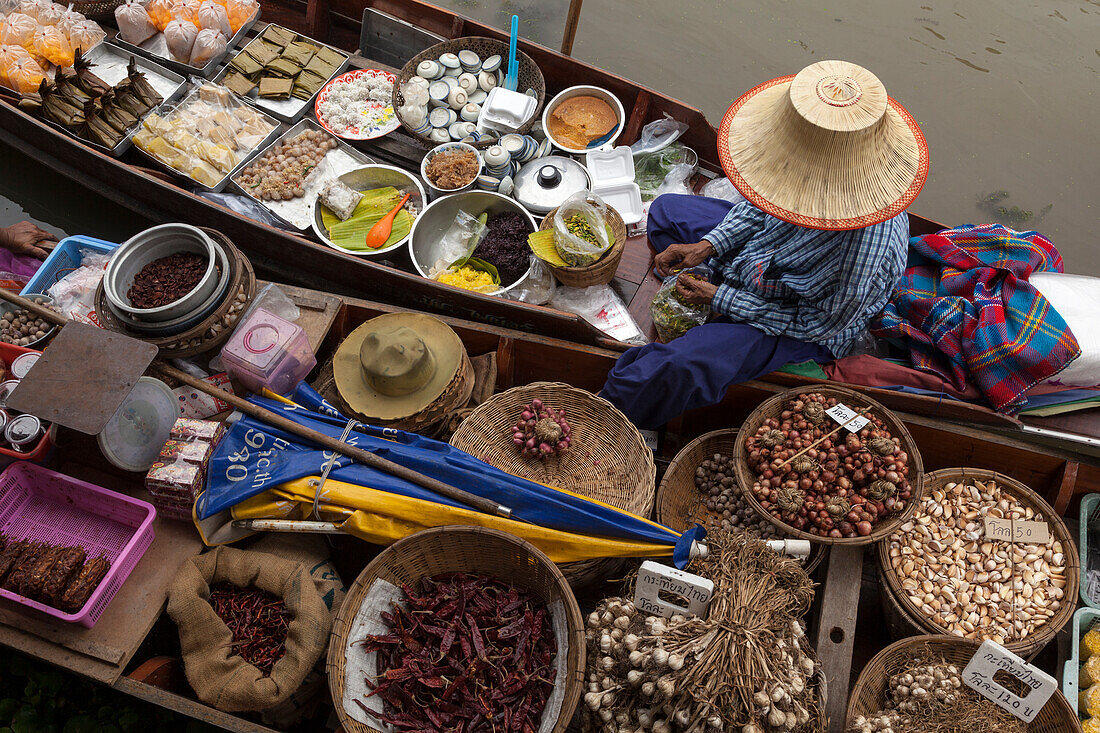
x=964, y=306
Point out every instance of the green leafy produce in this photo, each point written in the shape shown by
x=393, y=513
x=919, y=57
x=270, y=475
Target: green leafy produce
x=672, y=315
x=376, y=203
x=651, y=169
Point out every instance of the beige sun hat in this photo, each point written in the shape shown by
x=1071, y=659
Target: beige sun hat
x=825, y=149
x=397, y=365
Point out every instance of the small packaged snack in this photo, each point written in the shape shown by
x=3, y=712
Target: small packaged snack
x=339, y=198
x=189, y=429
x=194, y=451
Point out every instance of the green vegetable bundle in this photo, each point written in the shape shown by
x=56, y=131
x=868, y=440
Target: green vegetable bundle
x=672, y=315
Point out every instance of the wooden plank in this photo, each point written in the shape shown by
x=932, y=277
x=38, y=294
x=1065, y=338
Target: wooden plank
x=834, y=637
x=1066, y=487
x=317, y=19
x=572, y=22
x=187, y=706
x=639, y=113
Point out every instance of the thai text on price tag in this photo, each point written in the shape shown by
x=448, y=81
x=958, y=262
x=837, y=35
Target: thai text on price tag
x=653, y=578
x=1018, y=530
x=993, y=658
x=843, y=414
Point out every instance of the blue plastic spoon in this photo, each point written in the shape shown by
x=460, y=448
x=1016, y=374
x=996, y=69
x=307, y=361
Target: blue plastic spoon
x=511, y=80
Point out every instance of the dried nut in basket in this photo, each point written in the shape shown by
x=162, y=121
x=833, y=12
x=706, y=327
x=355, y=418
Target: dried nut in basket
x=969, y=585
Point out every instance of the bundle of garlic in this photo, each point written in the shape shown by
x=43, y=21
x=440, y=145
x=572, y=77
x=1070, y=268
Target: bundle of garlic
x=746, y=667
x=925, y=694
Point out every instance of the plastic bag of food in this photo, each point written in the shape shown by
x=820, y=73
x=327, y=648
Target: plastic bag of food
x=52, y=44
x=208, y=44
x=672, y=315
x=18, y=30
x=459, y=241
x=213, y=16
x=722, y=188
x=85, y=34
x=23, y=74
x=133, y=23
x=603, y=308
x=537, y=288
x=68, y=19
x=240, y=12
x=580, y=229
x=160, y=12
x=179, y=35
x=31, y=7
x=50, y=13
x=186, y=10
x=665, y=171
x=657, y=135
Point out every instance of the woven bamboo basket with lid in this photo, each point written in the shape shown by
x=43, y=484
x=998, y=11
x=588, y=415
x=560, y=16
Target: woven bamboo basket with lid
x=603, y=270
x=914, y=621
x=869, y=694
x=680, y=505
x=608, y=459
x=530, y=77
x=774, y=406
x=468, y=550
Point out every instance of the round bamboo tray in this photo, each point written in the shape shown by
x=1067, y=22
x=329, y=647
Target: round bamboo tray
x=906, y=616
x=603, y=270
x=466, y=550
x=98, y=10
x=530, y=77
x=680, y=505
x=608, y=459
x=773, y=406
x=869, y=694
x=215, y=329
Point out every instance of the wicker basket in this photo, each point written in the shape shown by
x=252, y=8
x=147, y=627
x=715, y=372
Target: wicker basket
x=468, y=550
x=869, y=694
x=530, y=77
x=603, y=270
x=215, y=329
x=98, y=10
x=773, y=406
x=608, y=459
x=912, y=621
x=679, y=503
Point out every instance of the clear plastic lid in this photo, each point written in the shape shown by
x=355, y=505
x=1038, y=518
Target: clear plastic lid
x=133, y=437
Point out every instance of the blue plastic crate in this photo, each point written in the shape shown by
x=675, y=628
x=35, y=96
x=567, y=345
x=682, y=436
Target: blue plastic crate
x=64, y=258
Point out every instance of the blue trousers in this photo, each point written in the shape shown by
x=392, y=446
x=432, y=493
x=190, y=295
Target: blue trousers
x=654, y=383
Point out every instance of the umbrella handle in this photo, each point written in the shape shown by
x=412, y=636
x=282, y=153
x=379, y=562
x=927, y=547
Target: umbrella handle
x=698, y=550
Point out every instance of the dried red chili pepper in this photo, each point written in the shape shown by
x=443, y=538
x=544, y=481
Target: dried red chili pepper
x=258, y=620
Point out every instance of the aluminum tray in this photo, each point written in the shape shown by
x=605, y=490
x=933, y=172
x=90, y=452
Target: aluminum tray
x=298, y=213
x=156, y=48
x=263, y=144
x=110, y=63
x=293, y=109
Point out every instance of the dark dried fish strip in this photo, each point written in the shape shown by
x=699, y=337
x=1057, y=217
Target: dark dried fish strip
x=69, y=562
x=82, y=587
x=36, y=577
x=12, y=550
x=24, y=565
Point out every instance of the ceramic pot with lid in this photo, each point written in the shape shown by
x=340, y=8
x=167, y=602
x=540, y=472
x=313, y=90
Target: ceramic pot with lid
x=545, y=183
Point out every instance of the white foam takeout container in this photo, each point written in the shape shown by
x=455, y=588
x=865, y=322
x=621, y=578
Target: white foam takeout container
x=612, y=175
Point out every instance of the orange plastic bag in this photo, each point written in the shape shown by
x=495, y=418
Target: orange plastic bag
x=85, y=34
x=18, y=29
x=240, y=12
x=24, y=75
x=53, y=45
x=160, y=12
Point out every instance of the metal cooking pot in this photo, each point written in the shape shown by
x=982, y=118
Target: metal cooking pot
x=545, y=183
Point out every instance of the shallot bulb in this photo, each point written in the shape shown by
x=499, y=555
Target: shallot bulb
x=542, y=431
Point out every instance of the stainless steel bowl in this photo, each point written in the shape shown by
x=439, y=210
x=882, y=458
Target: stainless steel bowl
x=371, y=177
x=152, y=244
x=40, y=299
x=578, y=91
x=431, y=225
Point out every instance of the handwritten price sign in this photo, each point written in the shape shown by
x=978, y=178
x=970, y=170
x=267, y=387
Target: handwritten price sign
x=655, y=579
x=993, y=658
x=1017, y=530
x=844, y=416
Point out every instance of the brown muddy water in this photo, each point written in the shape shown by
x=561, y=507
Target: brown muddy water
x=1006, y=91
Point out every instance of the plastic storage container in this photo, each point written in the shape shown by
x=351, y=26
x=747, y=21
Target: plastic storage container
x=268, y=351
x=64, y=258
x=40, y=504
x=612, y=174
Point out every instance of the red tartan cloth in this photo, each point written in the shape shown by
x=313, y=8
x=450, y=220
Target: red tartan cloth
x=964, y=306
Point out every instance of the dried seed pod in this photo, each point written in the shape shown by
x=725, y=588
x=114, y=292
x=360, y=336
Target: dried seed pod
x=814, y=412
x=772, y=438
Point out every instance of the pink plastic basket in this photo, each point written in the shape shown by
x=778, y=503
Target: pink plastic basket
x=43, y=505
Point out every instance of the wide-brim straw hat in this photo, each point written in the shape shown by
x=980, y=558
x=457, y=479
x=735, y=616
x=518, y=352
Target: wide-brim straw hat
x=825, y=149
x=397, y=365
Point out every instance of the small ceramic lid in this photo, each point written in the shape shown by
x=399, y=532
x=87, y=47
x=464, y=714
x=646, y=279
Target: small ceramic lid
x=450, y=60
x=544, y=184
x=133, y=438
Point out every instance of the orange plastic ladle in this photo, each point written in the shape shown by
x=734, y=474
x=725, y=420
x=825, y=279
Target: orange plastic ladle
x=380, y=232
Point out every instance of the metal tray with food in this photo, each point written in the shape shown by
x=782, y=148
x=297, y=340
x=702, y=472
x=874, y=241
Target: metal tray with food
x=207, y=136
x=110, y=64
x=302, y=141
x=156, y=48
x=282, y=72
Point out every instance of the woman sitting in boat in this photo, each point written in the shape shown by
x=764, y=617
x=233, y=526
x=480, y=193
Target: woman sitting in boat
x=828, y=164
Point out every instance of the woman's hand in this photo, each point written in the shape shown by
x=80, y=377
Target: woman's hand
x=23, y=237
x=680, y=256
x=694, y=289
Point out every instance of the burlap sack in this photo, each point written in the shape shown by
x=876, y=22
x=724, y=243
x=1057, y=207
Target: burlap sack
x=218, y=675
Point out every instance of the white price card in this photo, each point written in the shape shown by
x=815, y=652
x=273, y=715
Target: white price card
x=844, y=414
x=992, y=658
x=655, y=579
x=1017, y=530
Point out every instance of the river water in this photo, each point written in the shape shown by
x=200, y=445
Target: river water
x=1006, y=92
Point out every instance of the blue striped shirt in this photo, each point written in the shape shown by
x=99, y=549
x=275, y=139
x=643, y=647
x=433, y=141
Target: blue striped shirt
x=823, y=287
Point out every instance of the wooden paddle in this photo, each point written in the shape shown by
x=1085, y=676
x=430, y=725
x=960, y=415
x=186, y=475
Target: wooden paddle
x=283, y=423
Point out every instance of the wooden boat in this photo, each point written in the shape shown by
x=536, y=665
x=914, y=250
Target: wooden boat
x=133, y=647
x=396, y=31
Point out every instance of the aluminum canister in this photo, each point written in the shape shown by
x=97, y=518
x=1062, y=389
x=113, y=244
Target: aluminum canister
x=22, y=364
x=6, y=389
x=22, y=432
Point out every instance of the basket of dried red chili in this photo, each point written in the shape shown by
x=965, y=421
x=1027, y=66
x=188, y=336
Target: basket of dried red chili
x=458, y=628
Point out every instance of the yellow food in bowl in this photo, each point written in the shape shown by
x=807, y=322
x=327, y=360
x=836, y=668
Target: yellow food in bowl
x=468, y=278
